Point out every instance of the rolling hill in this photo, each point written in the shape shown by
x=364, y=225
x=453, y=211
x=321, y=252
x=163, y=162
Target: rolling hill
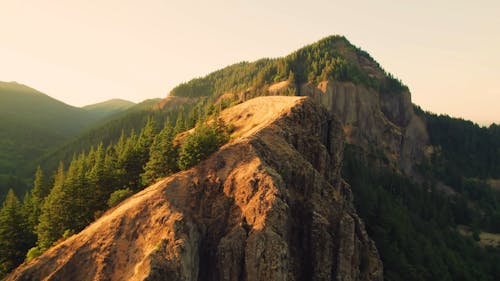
x=33, y=123
x=109, y=107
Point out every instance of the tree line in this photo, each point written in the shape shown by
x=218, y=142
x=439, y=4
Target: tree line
x=332, y=58
x=96, y=180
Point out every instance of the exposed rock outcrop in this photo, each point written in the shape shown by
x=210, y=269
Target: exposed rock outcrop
x=378, y=121
x=270, y=205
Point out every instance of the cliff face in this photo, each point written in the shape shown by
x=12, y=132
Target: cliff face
x=270, y=205
x=384, y=121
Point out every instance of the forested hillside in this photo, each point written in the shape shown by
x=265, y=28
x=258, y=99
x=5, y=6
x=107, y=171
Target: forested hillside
x=332, y=58
x=79, y=192
x=32, y=123
x=416, y=226
x=415, y=220
x=106, y=131
x=108, y=108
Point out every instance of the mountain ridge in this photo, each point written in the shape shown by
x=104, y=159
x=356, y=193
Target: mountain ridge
x=414, y=178
x=244, y=194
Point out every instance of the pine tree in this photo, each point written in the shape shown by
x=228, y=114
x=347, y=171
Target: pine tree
x=78, y=197
x=53, y=217
x=205, y=139
x=162, y=156
x=15, y=238
x=179, y=123
x=129, y=162
x=40, y=187
x=101, y=178
x=33, y=200
x=120, y=145
x=145, y=141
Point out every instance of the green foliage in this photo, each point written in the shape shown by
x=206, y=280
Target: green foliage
x=14, y=239
x=414, y=226
x=108, y=108
x=198, y=145
x=465, y=149
x=332, y=58
x=33, y=201
x=162, y=157
x=33, y=253
x=54, y=216
x=465, y=156
x=118, y=196
x=33, y=124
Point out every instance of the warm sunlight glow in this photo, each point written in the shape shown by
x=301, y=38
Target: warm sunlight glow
x=83, y=52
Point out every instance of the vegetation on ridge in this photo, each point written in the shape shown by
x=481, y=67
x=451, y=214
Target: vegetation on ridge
x=98, y=179
x=332, y=58
x=413, y=224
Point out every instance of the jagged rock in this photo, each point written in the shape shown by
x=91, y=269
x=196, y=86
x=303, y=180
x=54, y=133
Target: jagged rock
x=270, y=205
x=382, y=121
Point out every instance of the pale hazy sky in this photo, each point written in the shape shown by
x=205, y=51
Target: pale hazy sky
x=81, y=52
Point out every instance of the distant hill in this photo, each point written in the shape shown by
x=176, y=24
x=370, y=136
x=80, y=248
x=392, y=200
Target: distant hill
x=33, y=123
x=109, y=107
x=106, y=130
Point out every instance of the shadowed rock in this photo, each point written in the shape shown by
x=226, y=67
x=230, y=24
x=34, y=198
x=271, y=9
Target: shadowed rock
x=269, y=205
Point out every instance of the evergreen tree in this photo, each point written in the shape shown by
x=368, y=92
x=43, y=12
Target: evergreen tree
x=15, y=238
x=53, y=217
x=40, y=187
x=145, y=141
x=205, y=140
x=129, y=162
x=98, y=178
x=33, y=200
x=162, y=156
x=78, y=197
x=179, y=123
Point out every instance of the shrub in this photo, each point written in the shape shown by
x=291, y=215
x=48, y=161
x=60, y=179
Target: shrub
x=33, y=253
x=118, y=196
x=205, y=140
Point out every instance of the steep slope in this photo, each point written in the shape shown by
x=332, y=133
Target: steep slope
x=374, y=107
x=378, y=121
x=270, y=205
x=109, y=107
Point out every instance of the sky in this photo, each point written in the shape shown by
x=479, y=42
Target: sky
x=83, y=52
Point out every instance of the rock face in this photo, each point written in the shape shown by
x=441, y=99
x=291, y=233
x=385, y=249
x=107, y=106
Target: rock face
x=270, y=205
x=382, y=121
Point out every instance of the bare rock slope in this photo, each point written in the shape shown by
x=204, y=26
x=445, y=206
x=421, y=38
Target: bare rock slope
x=270, y=205
x=371, y=119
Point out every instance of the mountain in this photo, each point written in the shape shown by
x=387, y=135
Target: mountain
x=109, y=107
x=32, y=123
x=401, y=163
x=374, y=107
x=336, y=182
x=107, y=130
x=261, y=208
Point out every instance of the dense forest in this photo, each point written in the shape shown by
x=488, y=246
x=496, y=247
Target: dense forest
x=34, y=124
x=415, y=225
x=333, y=58
x=74, y=196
